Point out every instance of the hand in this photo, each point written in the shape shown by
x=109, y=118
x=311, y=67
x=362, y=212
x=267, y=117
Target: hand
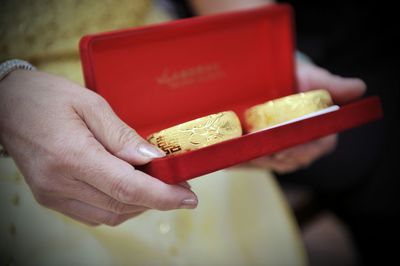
x=77, y=155
x=342, y=90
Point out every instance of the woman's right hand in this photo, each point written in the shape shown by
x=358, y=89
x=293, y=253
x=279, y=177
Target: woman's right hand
x=76, y=155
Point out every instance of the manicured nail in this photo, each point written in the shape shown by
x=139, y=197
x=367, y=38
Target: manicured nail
x=189, y=203
x=150, y=151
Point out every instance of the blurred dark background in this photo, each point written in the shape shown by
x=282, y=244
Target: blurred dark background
x=358, y=182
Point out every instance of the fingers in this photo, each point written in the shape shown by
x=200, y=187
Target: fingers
x=278, y=166
x=122, y=182
x=80, y=219
x=88, y=214
x=342, y=89
x=116, y=136
x=90, y=195
x=308, y=152
x=75, y=136
x=298, y=157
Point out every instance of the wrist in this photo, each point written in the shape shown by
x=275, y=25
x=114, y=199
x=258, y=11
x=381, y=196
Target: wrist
x=7, y=68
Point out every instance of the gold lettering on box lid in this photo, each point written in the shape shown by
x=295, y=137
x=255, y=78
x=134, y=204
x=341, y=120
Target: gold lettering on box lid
x=187, y=76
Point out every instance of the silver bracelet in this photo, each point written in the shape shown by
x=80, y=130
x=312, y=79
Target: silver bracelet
x=6, y=68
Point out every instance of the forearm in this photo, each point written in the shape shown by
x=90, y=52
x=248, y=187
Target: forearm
x=205, y=7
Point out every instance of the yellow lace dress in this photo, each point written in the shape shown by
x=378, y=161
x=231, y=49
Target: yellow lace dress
x=242, y=217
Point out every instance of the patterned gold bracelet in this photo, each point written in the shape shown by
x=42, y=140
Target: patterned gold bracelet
x=197, y=133
x=286, y=108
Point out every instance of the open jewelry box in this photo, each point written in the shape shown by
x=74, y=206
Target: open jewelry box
x=158, y=76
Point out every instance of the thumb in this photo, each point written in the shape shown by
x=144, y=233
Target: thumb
x=116, y=136
x=342, y=89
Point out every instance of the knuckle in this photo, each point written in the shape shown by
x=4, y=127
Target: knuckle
x=124, y=192
x=88, y=149
x=116, y=206
x=97, y=101
x=126, y=135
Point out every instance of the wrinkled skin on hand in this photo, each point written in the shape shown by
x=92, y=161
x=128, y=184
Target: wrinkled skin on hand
x=76, y=155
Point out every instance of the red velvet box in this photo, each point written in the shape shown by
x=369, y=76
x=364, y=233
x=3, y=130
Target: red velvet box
x=158, y=76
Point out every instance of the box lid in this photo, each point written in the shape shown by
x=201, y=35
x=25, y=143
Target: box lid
x=161, y=75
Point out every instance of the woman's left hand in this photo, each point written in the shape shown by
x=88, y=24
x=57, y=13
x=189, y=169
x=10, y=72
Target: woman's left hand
x=342, y=90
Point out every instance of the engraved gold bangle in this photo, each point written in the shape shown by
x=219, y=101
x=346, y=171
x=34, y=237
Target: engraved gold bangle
x=286, y=108
x=198, y=133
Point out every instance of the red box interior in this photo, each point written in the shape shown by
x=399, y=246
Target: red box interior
x=158, y=76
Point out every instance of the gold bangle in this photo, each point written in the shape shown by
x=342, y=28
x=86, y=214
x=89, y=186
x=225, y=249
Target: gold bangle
x=198, y=133
x=286, y=108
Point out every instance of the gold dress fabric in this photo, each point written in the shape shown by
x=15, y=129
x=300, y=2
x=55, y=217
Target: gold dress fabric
x=242, y=217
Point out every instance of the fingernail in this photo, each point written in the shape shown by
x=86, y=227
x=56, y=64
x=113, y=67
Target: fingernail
x=150, y=151
x=189, y=203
